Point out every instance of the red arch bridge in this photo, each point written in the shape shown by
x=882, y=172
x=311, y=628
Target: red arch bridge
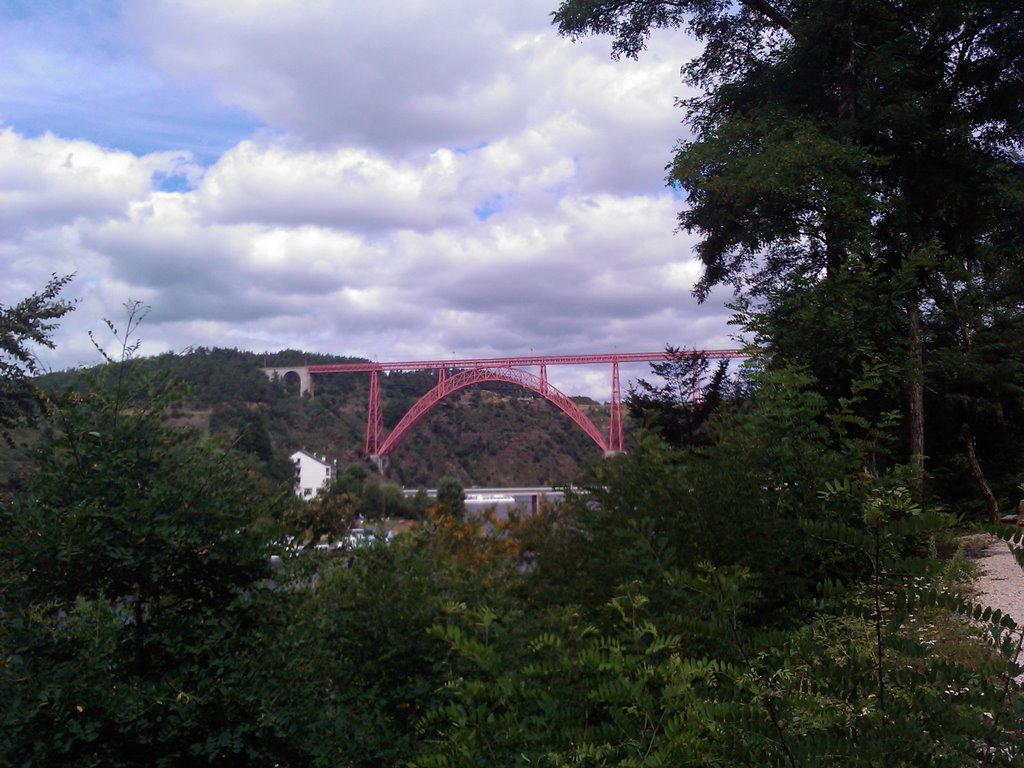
x=454, y=375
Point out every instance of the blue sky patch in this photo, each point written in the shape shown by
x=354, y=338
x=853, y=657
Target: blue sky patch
x=488, y=207
x=70, y=71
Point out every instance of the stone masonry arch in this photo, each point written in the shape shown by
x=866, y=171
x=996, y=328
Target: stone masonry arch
x=286, y=374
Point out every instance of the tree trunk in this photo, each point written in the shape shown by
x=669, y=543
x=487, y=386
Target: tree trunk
x=991, y=503
x=916, y=402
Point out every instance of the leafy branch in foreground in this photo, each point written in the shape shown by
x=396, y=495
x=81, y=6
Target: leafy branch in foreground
x=908, y=691
x=28, y=323
x=134, y=569
x=859, y=682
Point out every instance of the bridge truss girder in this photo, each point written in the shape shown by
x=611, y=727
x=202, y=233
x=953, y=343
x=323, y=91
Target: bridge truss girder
x=450, y=384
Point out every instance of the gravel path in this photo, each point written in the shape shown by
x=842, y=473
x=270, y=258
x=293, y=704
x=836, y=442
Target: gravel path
x=1000, y=580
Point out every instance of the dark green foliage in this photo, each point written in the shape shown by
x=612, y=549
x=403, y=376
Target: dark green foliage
x=247, y=428
x=351, y=661
x=327, y=518
x=420, y=502
x=451, y=497
x=855, y=175
x=133, y=568
x=383, y=499
x=353, y=667
x=629, y=22
x=29, y=322
x=854, y=684
x=678, y=409
x=352, y=477
x=733, y=503
x=688, y=611
x=566, y=696
x=216, y=375
x=976, y=348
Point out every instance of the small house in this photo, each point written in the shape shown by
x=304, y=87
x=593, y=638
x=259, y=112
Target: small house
x=312, y=473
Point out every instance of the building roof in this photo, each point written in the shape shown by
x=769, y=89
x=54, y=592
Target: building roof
x=312, y=456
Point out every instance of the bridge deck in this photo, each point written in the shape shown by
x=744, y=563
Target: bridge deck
x=512, y=362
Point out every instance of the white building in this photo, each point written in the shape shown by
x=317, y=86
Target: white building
x=312, y=473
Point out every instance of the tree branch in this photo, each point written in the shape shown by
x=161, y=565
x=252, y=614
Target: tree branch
x=777, y=17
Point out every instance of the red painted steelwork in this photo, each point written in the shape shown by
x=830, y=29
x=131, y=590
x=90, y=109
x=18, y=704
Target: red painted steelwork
x=512, y=362
x=615, y=423
x=453, y=375
x=467, y=378
x=374, y=417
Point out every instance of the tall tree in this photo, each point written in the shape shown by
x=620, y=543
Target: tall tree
x=841, y=142
x=451, y=497
x=678, y=408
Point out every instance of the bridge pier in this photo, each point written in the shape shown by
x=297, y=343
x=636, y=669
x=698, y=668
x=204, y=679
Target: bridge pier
x=380, y=461
x=305, y=377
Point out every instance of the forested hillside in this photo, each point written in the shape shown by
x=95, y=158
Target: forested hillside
x=493, y=434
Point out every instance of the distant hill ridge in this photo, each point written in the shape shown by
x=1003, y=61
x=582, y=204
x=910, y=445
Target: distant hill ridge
x=491, y=434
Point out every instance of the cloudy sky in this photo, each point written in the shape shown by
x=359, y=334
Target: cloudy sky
x=395, y=181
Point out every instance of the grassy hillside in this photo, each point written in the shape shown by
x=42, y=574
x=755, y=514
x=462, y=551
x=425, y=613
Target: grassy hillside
x=492, y=434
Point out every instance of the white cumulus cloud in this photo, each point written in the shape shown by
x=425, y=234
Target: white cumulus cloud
x=392, y=181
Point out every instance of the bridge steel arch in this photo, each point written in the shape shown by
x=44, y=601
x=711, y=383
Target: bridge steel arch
x=451, y=384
